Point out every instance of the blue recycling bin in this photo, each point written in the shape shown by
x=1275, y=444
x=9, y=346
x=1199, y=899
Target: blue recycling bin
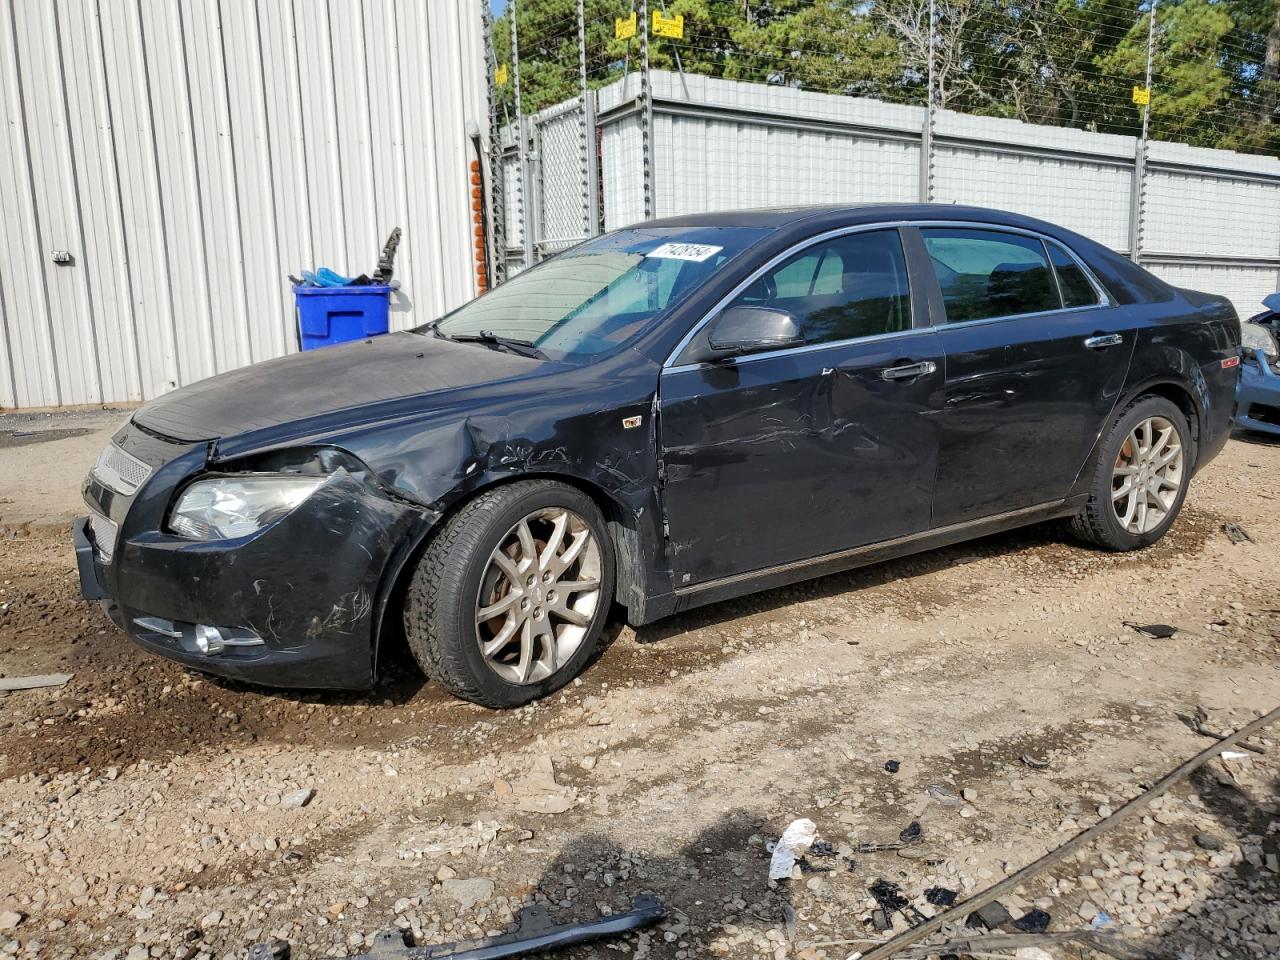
x=328, y=315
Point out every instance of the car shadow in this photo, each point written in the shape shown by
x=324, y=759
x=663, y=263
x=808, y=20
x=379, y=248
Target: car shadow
x=1254, y=436
x=718, y=876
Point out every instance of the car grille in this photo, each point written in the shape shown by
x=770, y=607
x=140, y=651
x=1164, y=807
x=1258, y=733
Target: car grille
x=120, y=471
x=104, y=536
x=1264, y=413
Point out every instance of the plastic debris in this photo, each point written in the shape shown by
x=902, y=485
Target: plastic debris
x=992, y=916
x=940, y=896
x=1198, y=722
x=945, y=796
x=893, y=766
x=822, y=848
x=794, y=842
x=1033, y=921
x=1156, y=631
x=912, y=834
x=1101, y=920
x=1034, y=763
x=1236, y=533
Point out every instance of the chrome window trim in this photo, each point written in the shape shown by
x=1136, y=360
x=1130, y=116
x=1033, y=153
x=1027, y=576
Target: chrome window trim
x=1104, y=300
x=804, y=348
x=670, y=364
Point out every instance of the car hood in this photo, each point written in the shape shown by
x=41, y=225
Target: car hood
x=337, y=381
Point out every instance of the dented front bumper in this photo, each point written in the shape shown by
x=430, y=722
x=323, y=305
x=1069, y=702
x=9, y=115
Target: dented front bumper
x=298, y=603
x=1258, y=399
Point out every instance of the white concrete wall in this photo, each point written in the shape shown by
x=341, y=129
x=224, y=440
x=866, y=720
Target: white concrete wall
x=190, y=154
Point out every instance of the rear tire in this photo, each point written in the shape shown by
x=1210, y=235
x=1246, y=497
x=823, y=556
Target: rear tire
x=1141, y=479
x=510, y=598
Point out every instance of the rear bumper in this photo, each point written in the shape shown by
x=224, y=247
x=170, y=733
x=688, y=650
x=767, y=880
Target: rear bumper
x=1258, y=397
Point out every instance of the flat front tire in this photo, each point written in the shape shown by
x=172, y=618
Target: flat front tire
x=510, y=598
x=1141, y=479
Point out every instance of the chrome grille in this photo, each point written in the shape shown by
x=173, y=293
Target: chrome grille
x=104, y=536
x=120, y=471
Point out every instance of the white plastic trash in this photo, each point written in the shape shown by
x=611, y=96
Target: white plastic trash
x=794, y=842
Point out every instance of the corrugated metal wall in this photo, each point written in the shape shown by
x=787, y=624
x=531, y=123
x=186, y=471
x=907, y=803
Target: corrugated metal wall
x=189, y=154
x=1210, y=218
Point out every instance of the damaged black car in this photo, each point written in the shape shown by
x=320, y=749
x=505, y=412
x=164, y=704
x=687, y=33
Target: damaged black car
x=665, y=416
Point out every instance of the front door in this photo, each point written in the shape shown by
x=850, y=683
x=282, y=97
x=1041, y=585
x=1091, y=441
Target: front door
x=797, y=453
x=1035, y=359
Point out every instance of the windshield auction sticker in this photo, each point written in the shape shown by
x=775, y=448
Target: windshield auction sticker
x=697, y=252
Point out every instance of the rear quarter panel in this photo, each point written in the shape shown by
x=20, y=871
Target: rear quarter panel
x=1183, y=342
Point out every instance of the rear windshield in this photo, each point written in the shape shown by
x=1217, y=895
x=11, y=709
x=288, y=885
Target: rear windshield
x=591, y=299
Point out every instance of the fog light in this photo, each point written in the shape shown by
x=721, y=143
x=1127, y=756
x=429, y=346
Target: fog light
x=209, y=640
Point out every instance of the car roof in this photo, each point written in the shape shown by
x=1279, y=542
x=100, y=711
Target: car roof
x=778, y=217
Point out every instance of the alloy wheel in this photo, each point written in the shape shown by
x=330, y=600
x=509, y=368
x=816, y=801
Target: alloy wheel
x=538, y=595
x=1147, y=475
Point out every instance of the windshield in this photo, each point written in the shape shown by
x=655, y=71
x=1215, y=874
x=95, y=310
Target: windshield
x=596, y=296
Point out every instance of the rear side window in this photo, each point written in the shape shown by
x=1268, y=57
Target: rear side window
x=1076, y=289
x=849, y=287
x=986, y=273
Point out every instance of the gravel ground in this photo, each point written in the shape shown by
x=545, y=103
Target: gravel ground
x=150, y=812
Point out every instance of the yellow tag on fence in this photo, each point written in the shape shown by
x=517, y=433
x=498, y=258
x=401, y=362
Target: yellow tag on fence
x=668, y=26
x=1142, y=96
x=624, y=28
x=500, y=75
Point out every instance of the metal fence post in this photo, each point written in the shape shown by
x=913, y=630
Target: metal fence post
x=497, y=182
x=926, y=132
x=646, y=112
x=522, y=140
x=1138, y=194
x=591, y=201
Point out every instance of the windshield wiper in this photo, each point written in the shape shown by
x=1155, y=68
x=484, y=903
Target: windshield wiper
x=523, y=348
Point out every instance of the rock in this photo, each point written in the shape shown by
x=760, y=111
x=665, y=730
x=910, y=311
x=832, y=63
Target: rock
x=1207, y=841
x=297, y=799
x=1087, y=911
x=211, y=919
x=9, y=919
x=138, y=952
x=969, y=794
x=446, y=873
x=469, y=892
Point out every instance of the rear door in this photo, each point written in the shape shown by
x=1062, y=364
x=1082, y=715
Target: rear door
x=1036, y=356
x=782, y=456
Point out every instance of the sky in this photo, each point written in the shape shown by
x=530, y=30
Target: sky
x=497, y=6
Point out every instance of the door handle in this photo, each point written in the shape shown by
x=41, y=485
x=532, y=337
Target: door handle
x=1103, y=340
x=909, y=371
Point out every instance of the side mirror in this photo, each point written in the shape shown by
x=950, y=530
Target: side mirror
x=741, y=330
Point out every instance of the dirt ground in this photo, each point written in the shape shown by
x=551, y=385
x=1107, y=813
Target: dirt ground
x=149, y=812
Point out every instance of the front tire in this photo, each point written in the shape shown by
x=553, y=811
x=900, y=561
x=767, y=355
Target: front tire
x=1141, y=479
x=511, y=596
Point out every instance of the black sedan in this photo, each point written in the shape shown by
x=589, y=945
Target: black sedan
x=665, y=416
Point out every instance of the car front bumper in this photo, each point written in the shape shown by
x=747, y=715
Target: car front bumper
x=296, y=604
x=1258, y=399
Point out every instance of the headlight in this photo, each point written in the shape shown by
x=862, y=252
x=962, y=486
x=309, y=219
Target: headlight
x=235, y=507
x=1254, y=336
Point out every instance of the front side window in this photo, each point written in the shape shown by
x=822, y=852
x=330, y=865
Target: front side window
x=986, y=273
x=848, y=287
x=593, y=298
